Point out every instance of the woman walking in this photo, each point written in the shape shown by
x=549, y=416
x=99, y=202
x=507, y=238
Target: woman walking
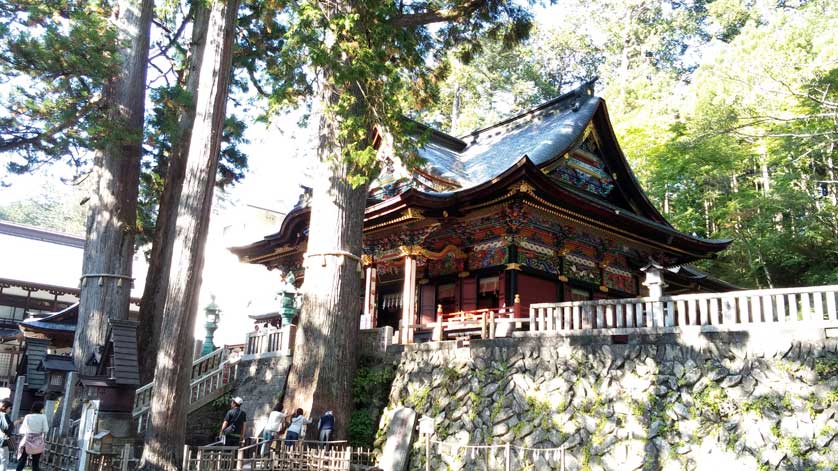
x=33, y=428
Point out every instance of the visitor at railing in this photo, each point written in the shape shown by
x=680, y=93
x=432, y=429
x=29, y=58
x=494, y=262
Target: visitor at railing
x=272, y=428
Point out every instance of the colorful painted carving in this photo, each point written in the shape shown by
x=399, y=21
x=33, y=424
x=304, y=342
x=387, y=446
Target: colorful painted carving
x=585, y=169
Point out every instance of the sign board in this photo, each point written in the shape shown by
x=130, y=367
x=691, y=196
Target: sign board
x=426, y=426
x=87, y=428
x=396, y=451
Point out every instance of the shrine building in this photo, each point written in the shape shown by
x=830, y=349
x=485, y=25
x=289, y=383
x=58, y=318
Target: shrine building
x=541, y=207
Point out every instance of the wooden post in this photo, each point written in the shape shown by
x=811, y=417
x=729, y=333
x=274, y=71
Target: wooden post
x=19, y=385
x=427, y=452
x=492, y=326
x=370, y=304
x=508, y=457
x=408, y=299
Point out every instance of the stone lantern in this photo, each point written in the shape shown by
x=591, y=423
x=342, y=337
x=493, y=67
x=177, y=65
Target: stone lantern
x=288, y=299
x=212, y=314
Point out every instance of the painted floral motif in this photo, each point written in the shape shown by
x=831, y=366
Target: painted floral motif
x=487, y=256
x=447, y=265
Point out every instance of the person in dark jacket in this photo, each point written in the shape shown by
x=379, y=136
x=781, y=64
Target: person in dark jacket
x=325, y=425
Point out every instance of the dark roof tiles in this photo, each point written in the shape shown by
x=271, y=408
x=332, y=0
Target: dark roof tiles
x=542, y=134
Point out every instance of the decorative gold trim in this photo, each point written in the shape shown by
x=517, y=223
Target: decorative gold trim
x=407, y=215
x=463, y=274
x=603, y=288
x=417, y=250
x=563, y=279
x=424, y=281
x=366, y=260
x=513, y=266
x=410, y=250
x=588, y=222
x=521, y=187
x=413, y=213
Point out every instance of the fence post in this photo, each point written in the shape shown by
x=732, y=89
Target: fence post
x=507, y=457
x=127, y=452
x=427, y=452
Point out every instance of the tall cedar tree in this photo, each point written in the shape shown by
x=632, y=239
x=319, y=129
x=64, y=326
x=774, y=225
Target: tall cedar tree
x=111, y=225
x=211, y=60
x=369, y=63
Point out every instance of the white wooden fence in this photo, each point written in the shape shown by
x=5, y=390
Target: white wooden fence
x=811, y=305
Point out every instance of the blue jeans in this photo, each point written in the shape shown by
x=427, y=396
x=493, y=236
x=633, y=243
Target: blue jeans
x=266, y=435
x=291, y=437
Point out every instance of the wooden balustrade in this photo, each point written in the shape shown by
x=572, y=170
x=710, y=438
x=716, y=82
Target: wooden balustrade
x=737, y=308
x=269, y=342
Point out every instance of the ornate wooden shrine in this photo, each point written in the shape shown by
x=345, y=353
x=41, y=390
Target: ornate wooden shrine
x=542, y=205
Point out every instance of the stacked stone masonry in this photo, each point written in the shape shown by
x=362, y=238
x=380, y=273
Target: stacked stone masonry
x=724, y=401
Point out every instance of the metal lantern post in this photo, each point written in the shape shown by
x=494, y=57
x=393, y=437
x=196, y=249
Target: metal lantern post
x=288, y=300
x=212, y=314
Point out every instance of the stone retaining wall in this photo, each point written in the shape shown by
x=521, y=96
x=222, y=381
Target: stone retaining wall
x=725, y=401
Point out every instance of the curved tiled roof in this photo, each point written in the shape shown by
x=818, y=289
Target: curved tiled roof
x=541, y=133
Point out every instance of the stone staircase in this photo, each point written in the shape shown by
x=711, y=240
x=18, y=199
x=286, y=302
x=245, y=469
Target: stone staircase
x=213, y=375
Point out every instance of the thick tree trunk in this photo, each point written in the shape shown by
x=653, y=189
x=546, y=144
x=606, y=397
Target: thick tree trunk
x=169, y=404
x=109, y=244
x=324, y=360
x=157, y=280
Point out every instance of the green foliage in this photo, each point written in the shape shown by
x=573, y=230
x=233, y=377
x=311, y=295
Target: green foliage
x=362, y=428
x=374, y=62
x=370, y=394
x=55, y=208
x=52, y=106
x=742, y=158
x=826, y=367
x=759, y=405
x=711, y=403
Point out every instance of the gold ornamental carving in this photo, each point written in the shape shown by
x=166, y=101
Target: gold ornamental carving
x=513, y=266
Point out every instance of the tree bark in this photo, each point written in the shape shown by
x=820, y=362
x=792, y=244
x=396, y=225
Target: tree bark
x=323, y=366
x=215, y=21
x=157, y=280
x=111, y=225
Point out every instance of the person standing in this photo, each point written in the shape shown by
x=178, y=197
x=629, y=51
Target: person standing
x=273, y=426
x=7, y=429
x=325, y=425
x=296, y=427
x=34, y=429
x=234, y=426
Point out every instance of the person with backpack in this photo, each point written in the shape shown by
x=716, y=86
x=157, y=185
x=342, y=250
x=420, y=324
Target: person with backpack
x=34, y=429
x=7, y=430
x=234, y=425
